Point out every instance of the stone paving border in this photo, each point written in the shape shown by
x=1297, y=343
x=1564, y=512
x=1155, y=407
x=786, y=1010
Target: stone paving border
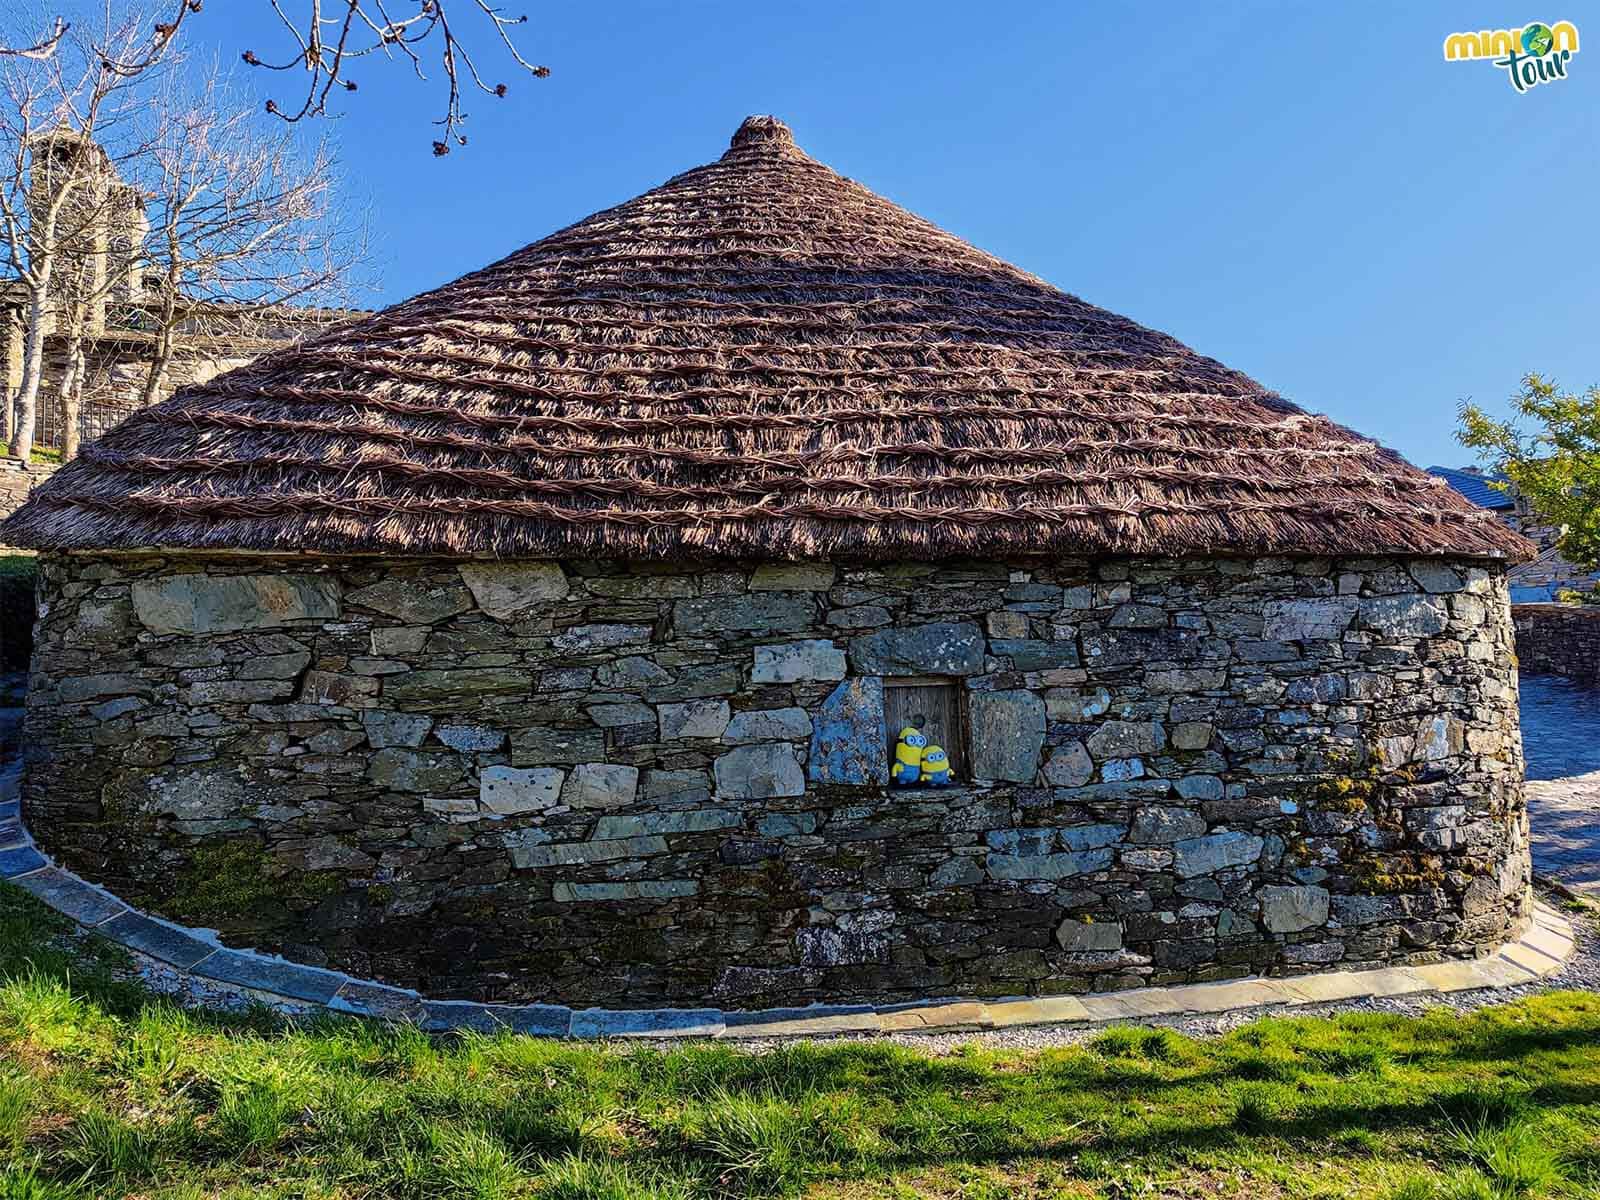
x=1544, y=946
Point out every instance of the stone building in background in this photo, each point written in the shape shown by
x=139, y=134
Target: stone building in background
x=103, y=266
x=548, y=636
x=1547, y=575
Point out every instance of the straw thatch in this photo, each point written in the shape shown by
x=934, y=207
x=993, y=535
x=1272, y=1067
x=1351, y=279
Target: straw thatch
x=758, y=359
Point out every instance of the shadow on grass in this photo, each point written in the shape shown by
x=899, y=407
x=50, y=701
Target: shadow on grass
x=37, y=941
x=431, y=1114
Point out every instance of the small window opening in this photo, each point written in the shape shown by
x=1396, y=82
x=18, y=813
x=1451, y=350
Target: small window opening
x=923, y=720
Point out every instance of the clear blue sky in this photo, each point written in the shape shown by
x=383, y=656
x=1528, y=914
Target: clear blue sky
x=1307, y=192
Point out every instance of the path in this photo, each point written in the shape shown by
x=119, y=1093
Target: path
x=1561, y=738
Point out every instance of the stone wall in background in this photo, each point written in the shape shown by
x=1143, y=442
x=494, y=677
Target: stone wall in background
x=591, y=782
x=16, y=483
x=1558, y=639
x=16, y=580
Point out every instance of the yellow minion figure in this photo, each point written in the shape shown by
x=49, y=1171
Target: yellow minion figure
x=935, y=766
x=908, y=755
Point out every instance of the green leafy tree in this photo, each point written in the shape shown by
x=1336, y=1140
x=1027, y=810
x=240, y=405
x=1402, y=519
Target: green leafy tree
x=1550, y=451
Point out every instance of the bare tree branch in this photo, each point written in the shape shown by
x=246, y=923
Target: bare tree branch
x=39, y=50
x=242, y=222
x=330, y=36
x=329, y=45
x=136, y=58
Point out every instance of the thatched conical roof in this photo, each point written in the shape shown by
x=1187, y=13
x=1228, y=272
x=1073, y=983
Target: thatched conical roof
x=759, y=358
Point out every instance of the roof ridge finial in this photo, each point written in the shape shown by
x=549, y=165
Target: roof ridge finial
x=762, y=131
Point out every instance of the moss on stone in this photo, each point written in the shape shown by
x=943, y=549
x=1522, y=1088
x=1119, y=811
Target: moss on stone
x=1343, y=793
x=237, y=878
x=1398, y=875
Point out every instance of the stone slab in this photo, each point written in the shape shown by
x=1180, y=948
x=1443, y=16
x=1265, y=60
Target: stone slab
x=1559, y=930
x=572, y=854
x=761, y=612
x=512, y=790
x=1544, y=915
x=443, y=1016
x=200, y=604
x=1292, y=909
x=952, y=1015
x=1540, y=963
x=647, y=824
x=1215, y=852
x=1465, y=975
x=536, y=1020
x=848, y=742
x=1547, y=941
x=938, y=648
x=793, y=662
x=414, y=601
x=793, y=577
x=1132, y=1005
x=1040, y=1010
x=601, y=785
x=362, y=998
x=506, y=590
x=274, y=975
x=1007, y=735
x=157, y=939
x=1349, y=985
x=769, y=724
x=1223, y=996
x=759, y=773
x=12, y=834
x=1529, y=975
x=819, y=1020
x=1307, y=620
x=19, y=860
x=71, y=896
x=648, y=1022
x=625, y=890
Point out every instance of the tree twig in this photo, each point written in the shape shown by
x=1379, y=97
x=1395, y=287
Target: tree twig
x=329, y=43
x=40, y=50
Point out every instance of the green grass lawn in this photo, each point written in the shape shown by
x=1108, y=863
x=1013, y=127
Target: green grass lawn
x=105, y=1091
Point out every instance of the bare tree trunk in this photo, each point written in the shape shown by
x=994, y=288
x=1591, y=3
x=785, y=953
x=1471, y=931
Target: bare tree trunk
x=72, y=395
x=8, y=409
x=27, y=404
x=155, y=379
x=161, y=359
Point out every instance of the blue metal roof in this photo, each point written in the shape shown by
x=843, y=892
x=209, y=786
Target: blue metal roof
x=1475, y=487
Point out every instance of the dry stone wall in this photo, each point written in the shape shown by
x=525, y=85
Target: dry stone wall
x=1559, y=639
x=16, y=481
x=603, y=783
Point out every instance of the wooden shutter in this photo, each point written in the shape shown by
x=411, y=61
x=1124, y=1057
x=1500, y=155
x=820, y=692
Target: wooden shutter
x=938, y=702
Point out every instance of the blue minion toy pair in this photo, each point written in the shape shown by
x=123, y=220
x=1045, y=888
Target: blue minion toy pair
x=915, y=761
